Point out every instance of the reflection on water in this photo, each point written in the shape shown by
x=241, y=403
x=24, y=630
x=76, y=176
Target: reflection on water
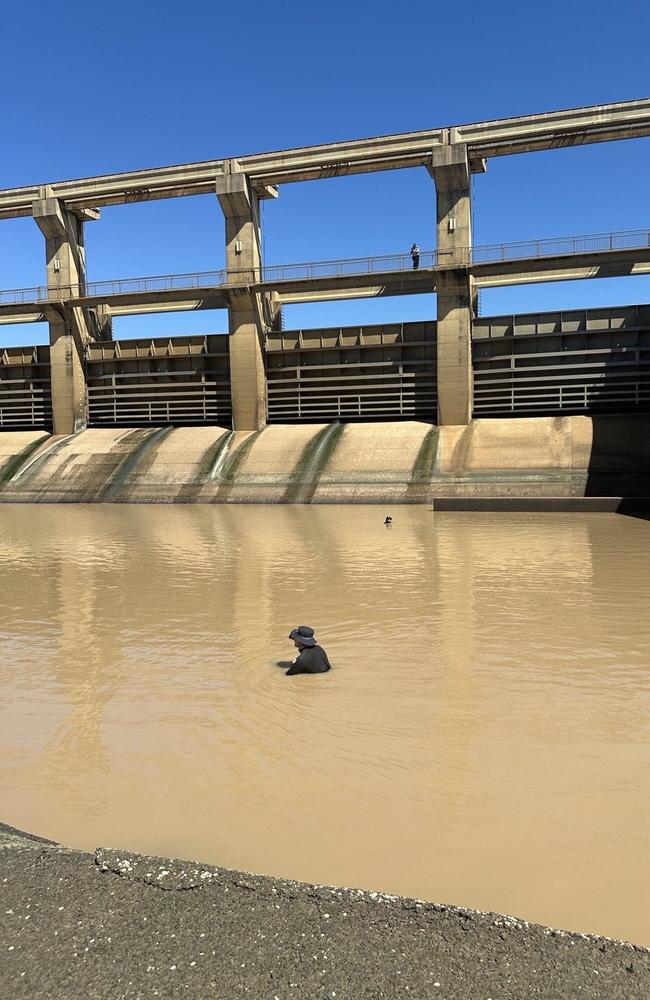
x=482, y=739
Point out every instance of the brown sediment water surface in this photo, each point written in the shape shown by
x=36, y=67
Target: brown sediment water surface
x=482, y=740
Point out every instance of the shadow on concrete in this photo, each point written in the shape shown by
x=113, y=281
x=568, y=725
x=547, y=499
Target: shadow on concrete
x=620, y=455
x=631, y=509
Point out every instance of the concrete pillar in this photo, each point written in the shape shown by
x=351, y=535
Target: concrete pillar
x=248, y=314
x=451, y=172
x=70, y=327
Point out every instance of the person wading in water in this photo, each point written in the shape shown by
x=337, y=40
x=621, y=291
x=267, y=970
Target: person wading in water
x=311, y=658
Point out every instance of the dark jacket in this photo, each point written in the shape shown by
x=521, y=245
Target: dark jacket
x=310, y=660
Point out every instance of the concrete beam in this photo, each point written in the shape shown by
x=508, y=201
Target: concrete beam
x=169, y=300
x=354, y=286
x=365, y=287
x=29, y=312
x=577, y=126
x=182, y=305
x=571, y=267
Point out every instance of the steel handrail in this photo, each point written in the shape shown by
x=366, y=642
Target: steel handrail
x=273, y=274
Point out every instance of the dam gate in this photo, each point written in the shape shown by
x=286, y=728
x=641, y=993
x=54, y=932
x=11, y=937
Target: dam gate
x=175, y=380
x=378, y=372
x=540, y=364
x=25, y=389
x=571, y=362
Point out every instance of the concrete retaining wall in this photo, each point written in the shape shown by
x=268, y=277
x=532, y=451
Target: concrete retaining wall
x=406, y=462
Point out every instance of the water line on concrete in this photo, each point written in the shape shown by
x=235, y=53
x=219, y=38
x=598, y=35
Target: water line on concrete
x=549, y=458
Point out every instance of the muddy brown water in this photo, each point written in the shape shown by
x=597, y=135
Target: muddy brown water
x=482, y=740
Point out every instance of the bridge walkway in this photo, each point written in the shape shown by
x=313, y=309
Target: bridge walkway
x=563, y=258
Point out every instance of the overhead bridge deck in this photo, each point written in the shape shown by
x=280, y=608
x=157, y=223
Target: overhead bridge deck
x=564, y=258
x=499, y=137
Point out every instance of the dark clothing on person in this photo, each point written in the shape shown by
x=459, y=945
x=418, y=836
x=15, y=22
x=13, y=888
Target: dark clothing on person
x=415, y=256
x=310, y=660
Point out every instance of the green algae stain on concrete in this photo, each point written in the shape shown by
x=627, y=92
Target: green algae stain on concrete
x=312, y=463
x=317, y=453
x=235, y=459
x=128, y=464
x=13, y=465
x=422, y=471
x=462, y=449
x=33, y=466
x=216, y=456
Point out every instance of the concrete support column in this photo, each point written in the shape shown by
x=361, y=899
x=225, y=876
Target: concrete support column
x=70, y=326
x=451, y=172
x=246, y=309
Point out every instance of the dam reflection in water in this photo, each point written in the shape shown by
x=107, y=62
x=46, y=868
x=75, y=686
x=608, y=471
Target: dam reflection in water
x=481, y=741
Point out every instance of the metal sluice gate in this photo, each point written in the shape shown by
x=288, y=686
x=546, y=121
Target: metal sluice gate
x=574, y=361
x=378, y=372
x=175, y=380
x=541, y=364
x=25, y=389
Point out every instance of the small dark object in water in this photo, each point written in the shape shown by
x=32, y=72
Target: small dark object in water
x=388, y=521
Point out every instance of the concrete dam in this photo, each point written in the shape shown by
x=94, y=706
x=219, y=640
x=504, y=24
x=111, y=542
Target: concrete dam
x=555, y=461
x=559, y=403
x=467, y=407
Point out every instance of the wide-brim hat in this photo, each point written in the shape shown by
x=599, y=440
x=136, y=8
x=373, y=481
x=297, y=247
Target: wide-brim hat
x=303, y=634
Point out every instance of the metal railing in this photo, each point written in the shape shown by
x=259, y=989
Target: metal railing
x=277, y=274
x=197, y=281
x=636, y=239
x=23, y=296
x=351, y=267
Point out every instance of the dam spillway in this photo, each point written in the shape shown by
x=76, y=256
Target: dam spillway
x=561, y=404
x=546, y=458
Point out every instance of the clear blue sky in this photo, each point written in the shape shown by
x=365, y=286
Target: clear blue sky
x=95, y=88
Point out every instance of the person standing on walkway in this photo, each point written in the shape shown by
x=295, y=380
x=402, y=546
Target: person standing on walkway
x=415, y=256
x=311, y=658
